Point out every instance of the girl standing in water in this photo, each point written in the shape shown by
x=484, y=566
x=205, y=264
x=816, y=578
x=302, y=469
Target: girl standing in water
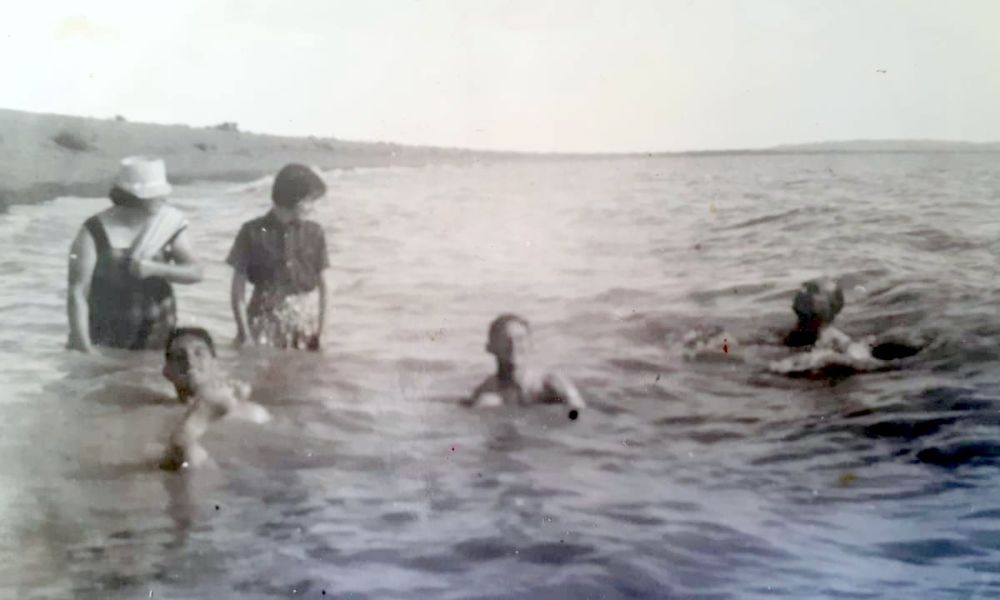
x=283, y=255
x=123, y=262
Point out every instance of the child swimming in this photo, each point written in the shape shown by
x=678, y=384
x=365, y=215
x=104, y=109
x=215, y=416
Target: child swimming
x=816, y=305
x=515, y=381
x=190, y=364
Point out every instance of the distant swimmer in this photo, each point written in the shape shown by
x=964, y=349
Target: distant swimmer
x=816, y=305
x=190, y=364
x=515, y=381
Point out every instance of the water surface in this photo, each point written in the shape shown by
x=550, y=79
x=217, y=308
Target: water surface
x=690, y=476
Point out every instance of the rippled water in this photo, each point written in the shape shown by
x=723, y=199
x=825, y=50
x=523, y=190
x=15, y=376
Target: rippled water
x=691, y=476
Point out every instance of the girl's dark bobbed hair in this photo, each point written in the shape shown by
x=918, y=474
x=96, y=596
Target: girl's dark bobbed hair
x=296, y=183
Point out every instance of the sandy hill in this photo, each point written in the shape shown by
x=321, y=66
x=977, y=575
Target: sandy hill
x=43, y=156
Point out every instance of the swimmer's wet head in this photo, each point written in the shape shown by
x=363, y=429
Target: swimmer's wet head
x=295, y=192
x=510, y=341
x=817, y=303
x=189, y=360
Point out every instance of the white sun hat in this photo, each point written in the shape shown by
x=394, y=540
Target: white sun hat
x=143, y=177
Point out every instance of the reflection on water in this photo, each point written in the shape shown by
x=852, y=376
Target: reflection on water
x=694, y=473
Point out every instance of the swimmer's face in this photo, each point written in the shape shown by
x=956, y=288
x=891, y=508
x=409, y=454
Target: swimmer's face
x=151, y=205
x=301, y=210
x=189, y=363
x=305, y=209
x=512, y=345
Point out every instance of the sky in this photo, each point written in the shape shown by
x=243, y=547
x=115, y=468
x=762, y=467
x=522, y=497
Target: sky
x=536, y=75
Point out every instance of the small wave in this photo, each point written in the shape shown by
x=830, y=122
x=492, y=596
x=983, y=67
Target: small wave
x=960, y=454
x=930, y=239
x=796, y=183
x=928, y=551
x=633, y=366
x=252, y=186
x=624, y=296
x=744, y=290
x=765, y=219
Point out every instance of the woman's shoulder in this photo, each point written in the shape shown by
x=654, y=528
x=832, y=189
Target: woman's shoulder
x=99, y=223
x=107, y=215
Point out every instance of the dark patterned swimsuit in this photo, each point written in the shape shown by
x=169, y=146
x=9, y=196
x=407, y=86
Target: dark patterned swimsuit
x=125, y=311
x=284, y=262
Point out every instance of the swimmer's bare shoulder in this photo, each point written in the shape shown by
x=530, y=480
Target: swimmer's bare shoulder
x=245, y=409
x=486, y=393
x=231, y=399
x=833, y=339
x=241, y=389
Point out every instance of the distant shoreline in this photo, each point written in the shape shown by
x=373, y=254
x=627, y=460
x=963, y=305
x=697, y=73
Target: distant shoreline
x=43, y=156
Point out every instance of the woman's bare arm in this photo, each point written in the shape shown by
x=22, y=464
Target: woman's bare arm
x=82, y=259
x=184, y=269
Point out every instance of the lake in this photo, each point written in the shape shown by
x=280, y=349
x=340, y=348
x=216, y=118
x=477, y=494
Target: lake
x=691, y=474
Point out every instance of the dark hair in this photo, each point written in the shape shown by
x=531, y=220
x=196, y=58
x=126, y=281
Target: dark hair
x=294, y=183
x=198, y=332
x=499, y=324
x=818, y=300
x=120, y=197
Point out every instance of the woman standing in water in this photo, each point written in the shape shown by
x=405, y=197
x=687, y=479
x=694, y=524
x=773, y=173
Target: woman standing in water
x=123, y=262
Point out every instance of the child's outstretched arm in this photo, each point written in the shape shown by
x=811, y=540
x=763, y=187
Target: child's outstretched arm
x=184, y=449
x=563, y=389
x=834, y=339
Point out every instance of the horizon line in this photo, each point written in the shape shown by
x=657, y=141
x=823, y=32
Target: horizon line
x=781, y=148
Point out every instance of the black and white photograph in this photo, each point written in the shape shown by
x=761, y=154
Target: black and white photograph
x=500, y=299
